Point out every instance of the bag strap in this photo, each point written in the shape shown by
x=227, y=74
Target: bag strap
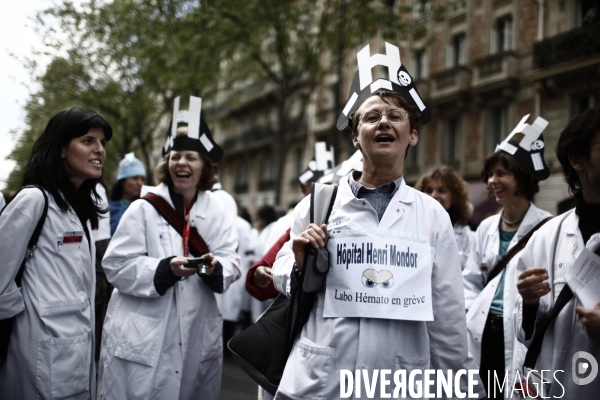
x=34, y=237
x=197, y=244
x=499, y=267
x=321, y=195
x=533, y=352
x=535, y=347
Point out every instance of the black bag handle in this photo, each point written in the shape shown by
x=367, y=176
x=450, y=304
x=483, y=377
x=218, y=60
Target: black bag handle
x=533, y=352
x=35, y=236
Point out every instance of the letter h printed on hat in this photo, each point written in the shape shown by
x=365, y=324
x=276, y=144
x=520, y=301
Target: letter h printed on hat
x=322, y=162
x=526, y=144
x=198, y=137
x=399, y=82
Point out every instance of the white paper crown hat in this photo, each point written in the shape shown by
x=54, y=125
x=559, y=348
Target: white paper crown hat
x=198, y=136
x=526, y=144
x=322, y=162
x=354, y=163
x=129, y=167
x=399, y=82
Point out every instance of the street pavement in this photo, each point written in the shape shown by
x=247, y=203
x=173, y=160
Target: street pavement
x=235, y=384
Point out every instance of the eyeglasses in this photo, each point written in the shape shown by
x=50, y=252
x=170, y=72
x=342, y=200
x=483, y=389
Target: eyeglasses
x=394, y=117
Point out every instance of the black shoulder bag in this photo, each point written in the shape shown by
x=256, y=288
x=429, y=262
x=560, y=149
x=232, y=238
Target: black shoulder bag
x=263, y=348
x=7, y=324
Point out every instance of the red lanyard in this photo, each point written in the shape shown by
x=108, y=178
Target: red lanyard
x=186, y=232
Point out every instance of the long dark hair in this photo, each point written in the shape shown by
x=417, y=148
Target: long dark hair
x=46, y=168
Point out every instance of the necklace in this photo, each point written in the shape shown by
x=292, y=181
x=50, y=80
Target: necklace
x=508, y=223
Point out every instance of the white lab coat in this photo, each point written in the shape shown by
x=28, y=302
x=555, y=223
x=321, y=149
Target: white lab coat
x=557, y=245
x=327, y=345
x=485, y=254
x=51, y=351
x=170, y=346
x=230, y=302
x=488, y=247
x=103, y=231
x=465, y=240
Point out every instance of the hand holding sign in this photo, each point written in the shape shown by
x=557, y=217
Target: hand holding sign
x=313, y=235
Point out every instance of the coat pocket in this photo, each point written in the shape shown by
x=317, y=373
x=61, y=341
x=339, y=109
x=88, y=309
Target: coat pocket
x=409, y=364
x=307, y=371
x=139, y=340
x=70, y=366
x=212, y=342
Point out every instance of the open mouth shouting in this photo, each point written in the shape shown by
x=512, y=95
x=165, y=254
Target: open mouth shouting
x=384, y=138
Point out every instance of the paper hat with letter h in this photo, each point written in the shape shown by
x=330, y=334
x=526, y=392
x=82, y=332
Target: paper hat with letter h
x=526, y=144
x=322, y=161
x=198, y=137
x=399, y=82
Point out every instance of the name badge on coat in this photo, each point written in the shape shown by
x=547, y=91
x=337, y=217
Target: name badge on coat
x=377, y=274
x=71, y=240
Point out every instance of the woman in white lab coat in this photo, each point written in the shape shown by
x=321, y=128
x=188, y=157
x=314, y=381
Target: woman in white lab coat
x=51, y=350
x=162, y=332
x=376, y=206
x=450, y=190
x=492, y=339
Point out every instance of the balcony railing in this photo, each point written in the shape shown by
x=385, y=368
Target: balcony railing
x=496, y=67
x=259, y=133
x=451, y=82
x=572, y=45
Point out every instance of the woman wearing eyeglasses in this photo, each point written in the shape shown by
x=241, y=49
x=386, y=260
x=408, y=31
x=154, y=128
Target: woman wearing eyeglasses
x=376, y=211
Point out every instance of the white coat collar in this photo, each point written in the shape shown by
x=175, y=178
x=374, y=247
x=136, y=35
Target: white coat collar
x=198, y=209
x=532, y=217
x=403, y=194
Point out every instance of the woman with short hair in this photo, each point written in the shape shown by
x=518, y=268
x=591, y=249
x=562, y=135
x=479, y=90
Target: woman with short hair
x=512, y=177
x=450, y=190
x=51, y=349
x=162, y=332
x=393, y=297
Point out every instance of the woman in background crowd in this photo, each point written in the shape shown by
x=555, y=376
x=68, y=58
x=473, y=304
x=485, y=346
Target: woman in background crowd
x=450, y=190
x=130, y=179
x=490, y=285
x=51, y=349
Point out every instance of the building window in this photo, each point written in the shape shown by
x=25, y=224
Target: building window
x=584, y=102
x=267, y=177
x=452, y=140
x=419, y=65
x=420, y=8
x=456, y=53
x=587, y=12
x=241, y=179
x=498, y=128
x=501, y=39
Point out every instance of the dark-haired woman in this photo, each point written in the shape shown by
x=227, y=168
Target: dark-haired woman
x=162, y=333
x=490, y=302
x=450, y=190
x=51, y=350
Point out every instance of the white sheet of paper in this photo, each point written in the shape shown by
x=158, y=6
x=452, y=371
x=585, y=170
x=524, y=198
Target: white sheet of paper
x=378, y=277
x=584, y=278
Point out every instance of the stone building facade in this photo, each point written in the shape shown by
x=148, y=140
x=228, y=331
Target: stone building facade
x=480, y=68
